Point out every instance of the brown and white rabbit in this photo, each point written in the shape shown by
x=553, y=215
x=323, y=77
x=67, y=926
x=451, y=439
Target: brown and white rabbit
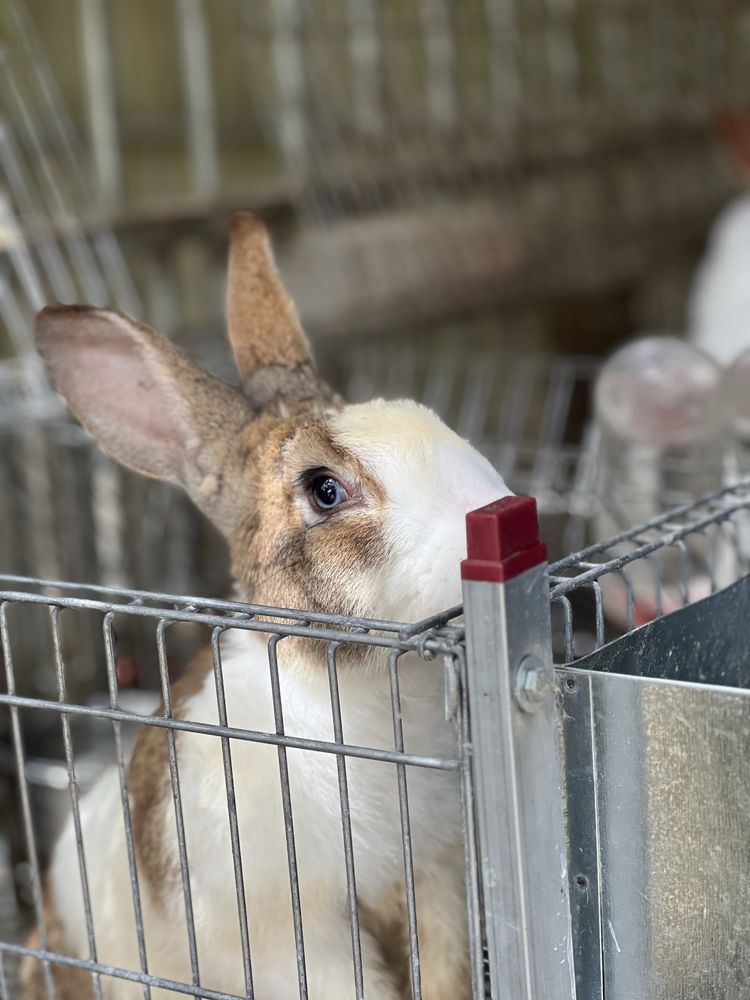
x=354, y=510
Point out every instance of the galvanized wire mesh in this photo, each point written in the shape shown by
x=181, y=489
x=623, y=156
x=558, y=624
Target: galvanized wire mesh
x=659, y=561
x=52, y=611
x=666, y=563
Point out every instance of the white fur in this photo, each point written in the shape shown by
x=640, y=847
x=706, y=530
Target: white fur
x=433, y=799
x=431, y=478
x=719, y=304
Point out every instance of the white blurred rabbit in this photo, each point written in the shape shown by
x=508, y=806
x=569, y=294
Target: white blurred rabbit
x=718, y=311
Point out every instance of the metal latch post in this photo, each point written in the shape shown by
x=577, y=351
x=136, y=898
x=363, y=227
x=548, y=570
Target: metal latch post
x=515, y=755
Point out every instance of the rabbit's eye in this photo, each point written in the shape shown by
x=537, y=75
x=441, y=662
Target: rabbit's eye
x=327, y=492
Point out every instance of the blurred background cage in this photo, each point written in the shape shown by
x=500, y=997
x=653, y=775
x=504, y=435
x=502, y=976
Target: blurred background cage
x=466, y=201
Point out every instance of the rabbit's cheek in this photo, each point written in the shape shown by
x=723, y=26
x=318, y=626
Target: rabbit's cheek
x=428, y=538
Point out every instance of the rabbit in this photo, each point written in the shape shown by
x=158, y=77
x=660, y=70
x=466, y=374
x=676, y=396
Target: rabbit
x=345, y=509
x=719, y=296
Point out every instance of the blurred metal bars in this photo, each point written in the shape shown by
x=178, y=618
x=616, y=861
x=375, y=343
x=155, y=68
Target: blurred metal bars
x=288, y=62
x=366, y=56
x=51, y=107
x=190, y=16
x=100, y=94
x=377, y=107
x=666, y=555
x=52, y=254
x=442, y=95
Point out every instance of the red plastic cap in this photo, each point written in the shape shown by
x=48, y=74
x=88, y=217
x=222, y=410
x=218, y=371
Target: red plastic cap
x=502, y=540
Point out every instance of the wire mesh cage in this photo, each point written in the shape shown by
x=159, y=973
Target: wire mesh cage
x=664, y=564
x=300, y=747
x=321, y=759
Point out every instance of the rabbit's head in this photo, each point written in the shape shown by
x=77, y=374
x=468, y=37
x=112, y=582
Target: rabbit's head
x=356, y=510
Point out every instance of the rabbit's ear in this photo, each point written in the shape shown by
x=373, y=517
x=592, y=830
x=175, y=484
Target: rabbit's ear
x=145, y=401
x=270, y=348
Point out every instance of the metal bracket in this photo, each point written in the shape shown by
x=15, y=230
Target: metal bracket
x=515, y=755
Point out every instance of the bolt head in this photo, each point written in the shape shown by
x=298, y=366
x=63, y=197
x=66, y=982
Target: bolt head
x=534, y=683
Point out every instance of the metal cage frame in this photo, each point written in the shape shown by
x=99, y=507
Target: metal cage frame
x=498, y=664
x=429, y=639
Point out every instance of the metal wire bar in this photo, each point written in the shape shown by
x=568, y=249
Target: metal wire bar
x=109, y=649
x=286, y=802
x=148, y=981
x=629, y=599
x=229, y=732
x=658, y=605
x=660, y=521
x=346, y=822
x=174, y=777
x=435, y=644
x=471, y=867
x=711, y=551
x=567, y=625
x=234, y=831
x=685, y=575
x=28, y=823
x=406, y=844
x=564, y=584
x=75, y=792
x=192, y=606
x=599, y=611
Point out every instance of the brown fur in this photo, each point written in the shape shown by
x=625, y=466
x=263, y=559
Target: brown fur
x=276, y=558
x=150, y=786
x=388, y=923
x=264, y=327
x=70, y=983
x=272, y=353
